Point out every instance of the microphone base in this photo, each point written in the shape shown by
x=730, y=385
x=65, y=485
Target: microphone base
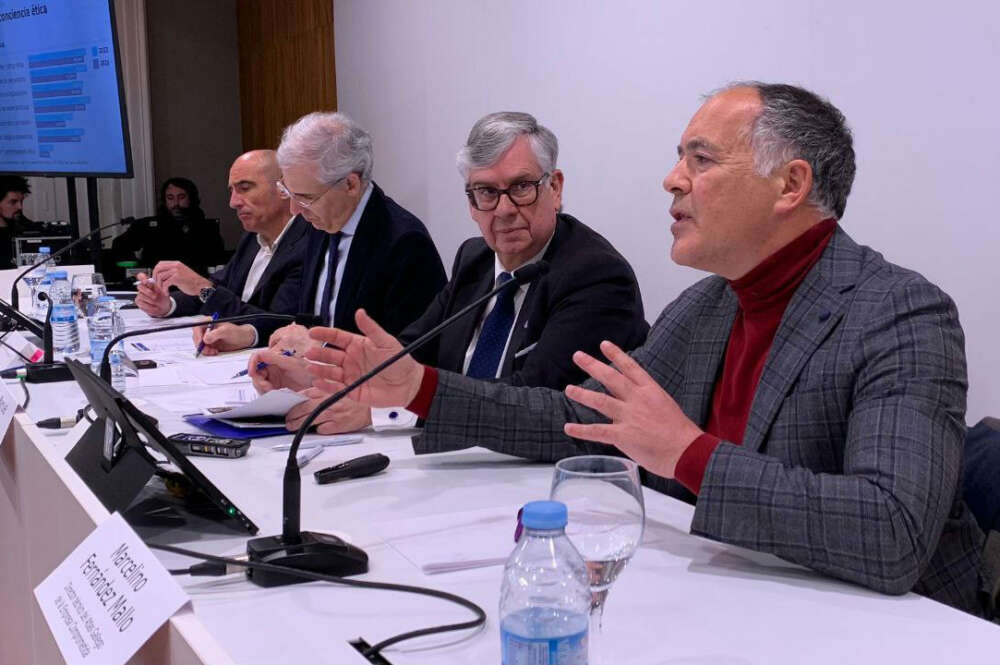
x=314, y=552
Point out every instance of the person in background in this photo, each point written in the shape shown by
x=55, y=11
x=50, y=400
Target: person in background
x=178, y=232
x=264, y=272
x=14, y=189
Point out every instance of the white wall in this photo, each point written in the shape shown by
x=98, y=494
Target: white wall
x=618, y=81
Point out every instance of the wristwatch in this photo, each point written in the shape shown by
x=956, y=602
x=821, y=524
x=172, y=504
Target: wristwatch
x=206, y=293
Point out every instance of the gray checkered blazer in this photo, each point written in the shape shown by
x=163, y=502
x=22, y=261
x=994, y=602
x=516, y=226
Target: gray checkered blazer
x=852, y=454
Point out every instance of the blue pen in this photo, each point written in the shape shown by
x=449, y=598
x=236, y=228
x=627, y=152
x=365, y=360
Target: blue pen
x=201, y=344
x=261, y=365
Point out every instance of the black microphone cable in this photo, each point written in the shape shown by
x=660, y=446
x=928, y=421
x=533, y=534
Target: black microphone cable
x=373, y=650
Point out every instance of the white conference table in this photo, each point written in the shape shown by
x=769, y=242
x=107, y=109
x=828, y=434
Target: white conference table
x=682, y=599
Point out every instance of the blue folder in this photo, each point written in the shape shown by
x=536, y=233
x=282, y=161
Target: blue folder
x=219, y=428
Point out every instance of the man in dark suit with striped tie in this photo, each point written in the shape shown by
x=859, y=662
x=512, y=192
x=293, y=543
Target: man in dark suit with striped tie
x=363, y=251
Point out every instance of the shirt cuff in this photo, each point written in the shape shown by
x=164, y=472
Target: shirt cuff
x=691, y=466
x=421, y=404
x=256, y=336
x=173, y=308
x=393, y=418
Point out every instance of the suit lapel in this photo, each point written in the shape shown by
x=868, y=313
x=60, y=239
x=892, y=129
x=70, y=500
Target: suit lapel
x=358, y=260
x=813, y=313
x=312, y=268
x=285, y=248
x=704, y=357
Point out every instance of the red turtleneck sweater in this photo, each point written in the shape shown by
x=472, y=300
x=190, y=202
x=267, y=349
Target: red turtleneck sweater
x=763, y=295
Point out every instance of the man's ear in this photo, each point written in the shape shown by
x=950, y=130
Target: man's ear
x=353, y=183
x=556, y=183
x=796, y=182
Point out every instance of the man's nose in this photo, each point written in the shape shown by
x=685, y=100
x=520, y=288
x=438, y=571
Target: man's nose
x=676, y=180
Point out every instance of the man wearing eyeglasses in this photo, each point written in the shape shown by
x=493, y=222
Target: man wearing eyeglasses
x=364, y=249
x=265, y=271
x=524, y=336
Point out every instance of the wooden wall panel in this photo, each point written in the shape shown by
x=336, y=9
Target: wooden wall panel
x=286, y=65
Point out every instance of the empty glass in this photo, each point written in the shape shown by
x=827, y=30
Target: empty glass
x=31, y=279
x=87, y=288
x=606, y=521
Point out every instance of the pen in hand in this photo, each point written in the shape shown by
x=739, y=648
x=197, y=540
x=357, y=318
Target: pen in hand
x=201, y=344
x=261, y=365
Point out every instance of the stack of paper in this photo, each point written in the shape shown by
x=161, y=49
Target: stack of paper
x=472, y=539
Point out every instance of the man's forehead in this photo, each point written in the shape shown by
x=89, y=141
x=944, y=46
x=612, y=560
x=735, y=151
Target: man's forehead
x=519, y=161
x=722, y=120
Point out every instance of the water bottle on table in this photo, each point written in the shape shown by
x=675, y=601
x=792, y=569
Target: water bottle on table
x=545, y=597
x=101, y=328
x=65, y=333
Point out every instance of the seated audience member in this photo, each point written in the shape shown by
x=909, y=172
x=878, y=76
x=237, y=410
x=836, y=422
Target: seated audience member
x=179, y=232
x=13, y=190
x=363, y=250
x=528, y=336
x=810, y=396
x=266, y=268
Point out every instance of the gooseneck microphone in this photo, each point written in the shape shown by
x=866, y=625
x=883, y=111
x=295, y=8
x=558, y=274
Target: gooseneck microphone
x=323, y=553
x=242, y=318
x=14, y=300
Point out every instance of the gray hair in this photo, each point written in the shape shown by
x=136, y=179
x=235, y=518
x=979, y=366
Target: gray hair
x=332, y=142
x=493, y=134
x=795, y=123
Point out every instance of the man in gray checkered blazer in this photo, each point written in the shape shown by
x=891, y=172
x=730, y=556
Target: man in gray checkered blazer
x=811, y=394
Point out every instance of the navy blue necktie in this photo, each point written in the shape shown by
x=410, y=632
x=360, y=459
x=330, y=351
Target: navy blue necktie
x=331, y=277
x=493, y=337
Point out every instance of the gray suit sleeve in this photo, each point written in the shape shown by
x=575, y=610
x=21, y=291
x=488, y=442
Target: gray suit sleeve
x=879, y=523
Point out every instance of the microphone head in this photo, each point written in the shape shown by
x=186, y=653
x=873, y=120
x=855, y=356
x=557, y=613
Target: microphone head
x=531, y=272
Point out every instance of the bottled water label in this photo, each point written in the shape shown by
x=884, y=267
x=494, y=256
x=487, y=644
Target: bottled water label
x=543, y=636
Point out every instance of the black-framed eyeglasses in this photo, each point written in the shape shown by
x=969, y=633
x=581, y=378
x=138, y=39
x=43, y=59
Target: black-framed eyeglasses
x=521, y=193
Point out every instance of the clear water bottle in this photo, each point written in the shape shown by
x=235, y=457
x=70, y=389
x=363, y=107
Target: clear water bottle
x=116, y=359
x=100, y=329
x=545, y=598
x=65, y=333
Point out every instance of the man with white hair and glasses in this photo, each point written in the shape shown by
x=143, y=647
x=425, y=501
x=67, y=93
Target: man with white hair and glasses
x=364, y=250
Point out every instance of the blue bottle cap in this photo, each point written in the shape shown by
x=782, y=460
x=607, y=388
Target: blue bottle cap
x=58, y=274
x=44, y=250
x=544, y=515
x=105, y=299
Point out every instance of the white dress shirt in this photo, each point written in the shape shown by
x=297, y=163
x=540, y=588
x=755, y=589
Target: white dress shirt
x=261, y=261
x=346, y=237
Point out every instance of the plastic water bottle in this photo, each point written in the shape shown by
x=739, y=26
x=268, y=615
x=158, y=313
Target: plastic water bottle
x=65, y=333
x=116, y=358
x=101, y=328
x=545, y=598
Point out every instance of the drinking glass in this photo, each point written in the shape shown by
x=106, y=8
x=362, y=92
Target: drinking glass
x=87, y=288
x=31, y=279
x=606, y=519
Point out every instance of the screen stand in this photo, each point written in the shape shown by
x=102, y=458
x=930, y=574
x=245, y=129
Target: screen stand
x=119, y=485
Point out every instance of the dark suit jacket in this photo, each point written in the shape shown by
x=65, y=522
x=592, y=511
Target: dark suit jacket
x=280, y=283
x=589, y=294
x=393, y=271
x=852, y=457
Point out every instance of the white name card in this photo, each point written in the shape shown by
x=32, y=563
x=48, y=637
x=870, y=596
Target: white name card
x=108, y=597
x=8, y=405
